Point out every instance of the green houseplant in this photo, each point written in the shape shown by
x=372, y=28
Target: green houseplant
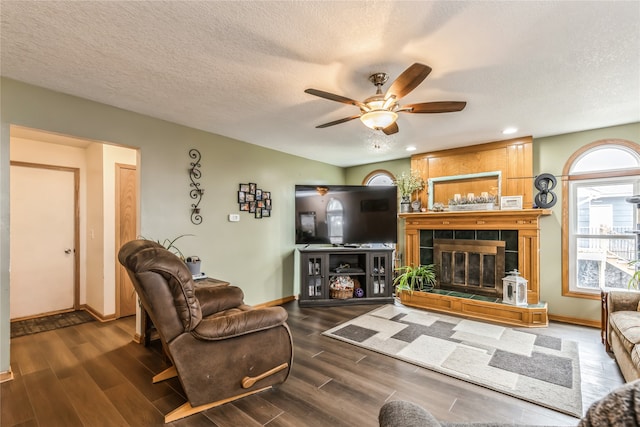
x=170, y=244
x=420, y=278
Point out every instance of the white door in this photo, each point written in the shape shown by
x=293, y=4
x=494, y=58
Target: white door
x=42, y=240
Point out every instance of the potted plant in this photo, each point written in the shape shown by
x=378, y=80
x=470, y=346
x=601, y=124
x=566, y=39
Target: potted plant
x=420, y=278
x=170, y=245
x=407, y=184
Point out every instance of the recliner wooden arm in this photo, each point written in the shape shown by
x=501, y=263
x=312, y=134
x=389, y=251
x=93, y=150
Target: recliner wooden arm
x=248, y=382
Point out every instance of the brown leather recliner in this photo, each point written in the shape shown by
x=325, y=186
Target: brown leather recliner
x=221, y=349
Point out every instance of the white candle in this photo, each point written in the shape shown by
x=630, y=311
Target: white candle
x=456, y=197
x=470, y=196
x=484, y=194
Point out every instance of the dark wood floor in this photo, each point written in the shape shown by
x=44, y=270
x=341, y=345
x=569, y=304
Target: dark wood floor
x=94, y=375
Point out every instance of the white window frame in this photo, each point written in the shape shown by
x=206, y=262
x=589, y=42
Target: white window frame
x=575, y=235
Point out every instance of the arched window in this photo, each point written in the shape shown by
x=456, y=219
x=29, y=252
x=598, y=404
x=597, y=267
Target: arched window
x=335, y=219
x=598, y=242
x=379, y=177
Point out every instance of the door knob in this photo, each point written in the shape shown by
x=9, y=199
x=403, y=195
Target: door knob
x=67, y=251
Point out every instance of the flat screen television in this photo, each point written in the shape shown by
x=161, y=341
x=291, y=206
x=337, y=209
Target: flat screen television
x=346, y=214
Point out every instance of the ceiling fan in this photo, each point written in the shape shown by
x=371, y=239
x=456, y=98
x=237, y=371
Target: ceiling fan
x=380, y=111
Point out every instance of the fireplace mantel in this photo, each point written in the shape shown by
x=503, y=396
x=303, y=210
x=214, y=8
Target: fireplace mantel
x=525, y=221
x=478, y=220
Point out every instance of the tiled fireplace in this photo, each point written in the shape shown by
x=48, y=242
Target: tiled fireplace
x=473, y=251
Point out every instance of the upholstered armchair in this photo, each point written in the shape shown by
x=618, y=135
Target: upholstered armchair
x=220, y=348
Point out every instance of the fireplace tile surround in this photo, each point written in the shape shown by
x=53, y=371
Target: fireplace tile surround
x=510, y=237
x=520, y=231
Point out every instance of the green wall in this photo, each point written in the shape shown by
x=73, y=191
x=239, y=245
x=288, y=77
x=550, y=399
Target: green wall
x=550, y=156
x=255, y=254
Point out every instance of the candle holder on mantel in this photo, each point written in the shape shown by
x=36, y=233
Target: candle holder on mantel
x=471, y=202
x=196, y=192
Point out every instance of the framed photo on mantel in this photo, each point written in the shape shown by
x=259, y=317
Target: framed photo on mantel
x=510, y=203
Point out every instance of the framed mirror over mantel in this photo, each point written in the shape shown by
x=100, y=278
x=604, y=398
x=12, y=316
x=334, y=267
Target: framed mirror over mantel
x=486, y=185
x=500, y=168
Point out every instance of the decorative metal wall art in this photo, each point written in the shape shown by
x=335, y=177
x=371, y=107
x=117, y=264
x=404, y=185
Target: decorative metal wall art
x=254, y=200
x=545, y=183
x=196, y=192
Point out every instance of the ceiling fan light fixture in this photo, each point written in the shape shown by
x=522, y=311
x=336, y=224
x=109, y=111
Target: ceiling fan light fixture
x=380, y=111
x=379, y=119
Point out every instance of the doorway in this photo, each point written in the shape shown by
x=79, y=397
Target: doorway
x=95, y=270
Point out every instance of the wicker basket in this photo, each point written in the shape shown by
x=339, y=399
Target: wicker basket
x=341, y=287
x=341, y=293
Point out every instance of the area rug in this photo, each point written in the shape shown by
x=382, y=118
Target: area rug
x=20, y=328
x=521, y=363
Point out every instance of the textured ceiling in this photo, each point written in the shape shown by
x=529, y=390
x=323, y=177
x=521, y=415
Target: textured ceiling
x=240, y=69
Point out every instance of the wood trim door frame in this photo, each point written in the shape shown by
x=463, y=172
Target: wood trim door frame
x=119, y=223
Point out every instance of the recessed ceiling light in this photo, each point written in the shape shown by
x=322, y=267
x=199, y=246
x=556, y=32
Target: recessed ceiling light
x=509, y=131
x=411, y=148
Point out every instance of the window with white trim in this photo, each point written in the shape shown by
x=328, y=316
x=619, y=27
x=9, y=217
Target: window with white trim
x=601, y=242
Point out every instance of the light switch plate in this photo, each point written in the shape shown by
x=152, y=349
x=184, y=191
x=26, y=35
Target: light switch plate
x=234, y=217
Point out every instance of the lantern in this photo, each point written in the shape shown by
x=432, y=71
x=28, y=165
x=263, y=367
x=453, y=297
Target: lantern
x=514, y=289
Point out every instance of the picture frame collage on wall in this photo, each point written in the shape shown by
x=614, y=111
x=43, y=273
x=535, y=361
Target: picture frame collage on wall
x=254, y=200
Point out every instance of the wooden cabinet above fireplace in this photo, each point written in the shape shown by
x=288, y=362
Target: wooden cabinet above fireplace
x=500, y=168
x=526, y=222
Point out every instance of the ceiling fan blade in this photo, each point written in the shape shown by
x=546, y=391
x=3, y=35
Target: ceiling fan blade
x=391, y=129
x=334, y=97
x=408, y=80
x=434, y=107
x=337, y=122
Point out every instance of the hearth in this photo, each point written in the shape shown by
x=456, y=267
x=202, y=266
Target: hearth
x=470, y=266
